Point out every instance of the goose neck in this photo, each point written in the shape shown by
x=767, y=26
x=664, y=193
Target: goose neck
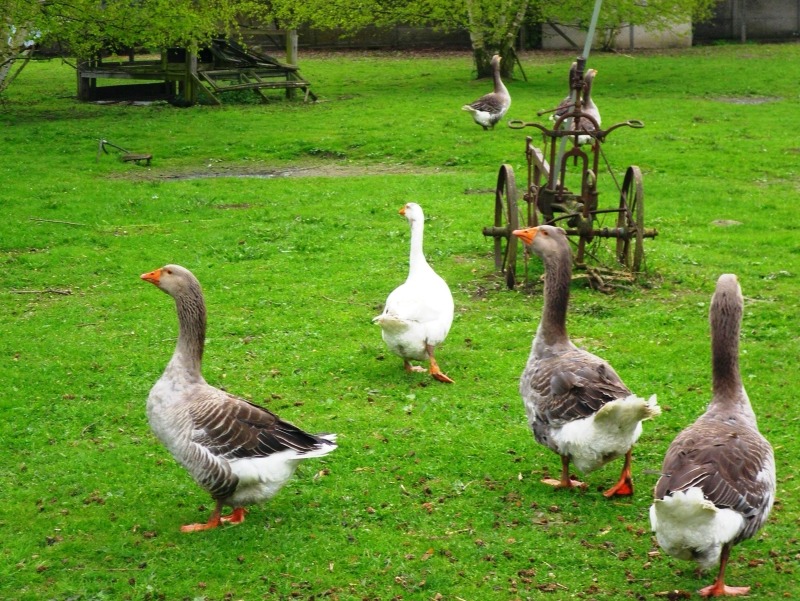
x=499, y=86
x=557, y=278
x=188, y=355
x=416, y=259
x=726, y=377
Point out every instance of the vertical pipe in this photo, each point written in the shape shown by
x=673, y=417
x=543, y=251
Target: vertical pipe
x=587, y=46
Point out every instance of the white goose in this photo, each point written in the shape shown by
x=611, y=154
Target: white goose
x=717, y=482
x=576, y=403
x=490, y=108
x=239, y=452
x=418, y=313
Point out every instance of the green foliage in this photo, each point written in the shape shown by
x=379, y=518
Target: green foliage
x=653, y=15
x=288, y=215
x=87, y=26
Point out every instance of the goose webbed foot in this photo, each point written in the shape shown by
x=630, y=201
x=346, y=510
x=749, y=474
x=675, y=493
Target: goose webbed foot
x=570, y=482
x=624, y=486
x=566, y=480
x=435, y=371
x=412, y=368
x=722, y=590
x=213, y=521
x=236, y=517
x=719, y=588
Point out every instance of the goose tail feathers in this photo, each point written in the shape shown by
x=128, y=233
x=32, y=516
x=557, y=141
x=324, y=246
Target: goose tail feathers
x=326, y=443
x=390, y=323
x=689, y=526
x=631, y=410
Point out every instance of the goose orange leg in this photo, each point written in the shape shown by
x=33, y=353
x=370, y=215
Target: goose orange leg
x=436, y=372
x=566, y=480
x=624, y=487
x=719, y=589
x=236, y=517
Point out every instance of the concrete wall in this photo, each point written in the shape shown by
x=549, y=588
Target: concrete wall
x=765, y=20
x=679, y=36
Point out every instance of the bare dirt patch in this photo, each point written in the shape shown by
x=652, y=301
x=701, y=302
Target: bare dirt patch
x=748, y=99
x=274, y=172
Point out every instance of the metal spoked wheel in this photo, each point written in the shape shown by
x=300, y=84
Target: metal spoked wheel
x=631, y=221
x=506, y=217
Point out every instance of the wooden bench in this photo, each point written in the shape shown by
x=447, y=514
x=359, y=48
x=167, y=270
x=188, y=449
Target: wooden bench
x=137, y=158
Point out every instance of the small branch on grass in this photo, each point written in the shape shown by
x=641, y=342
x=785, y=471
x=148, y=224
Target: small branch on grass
x=604, y=279
x=39, y=219
x=64, y=292
x=335, y=300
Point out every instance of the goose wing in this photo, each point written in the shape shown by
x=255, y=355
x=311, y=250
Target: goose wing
x=232, y=428
x=572, y=385
x=420, y=301
x=733, y=466
x=489, y=103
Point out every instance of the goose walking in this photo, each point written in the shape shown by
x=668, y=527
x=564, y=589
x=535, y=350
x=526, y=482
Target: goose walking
x=576, y=403
x=239, y=452
x=717, y=482
x=418, y=314
x=490, y=108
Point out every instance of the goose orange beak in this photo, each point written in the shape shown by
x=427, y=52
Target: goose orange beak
x=526, y=235
x=402, y=211
x=153, y=277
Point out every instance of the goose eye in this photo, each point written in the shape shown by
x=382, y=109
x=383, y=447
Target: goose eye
x=169, y=271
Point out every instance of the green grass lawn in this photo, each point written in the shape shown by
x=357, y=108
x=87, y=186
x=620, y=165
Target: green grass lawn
x=434, y=491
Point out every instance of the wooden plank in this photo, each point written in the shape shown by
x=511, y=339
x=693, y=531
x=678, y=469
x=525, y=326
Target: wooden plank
x=267, y=85
x=205, y=90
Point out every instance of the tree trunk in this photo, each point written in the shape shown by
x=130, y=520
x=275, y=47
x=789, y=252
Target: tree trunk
x=12, y=49
x=488, y=39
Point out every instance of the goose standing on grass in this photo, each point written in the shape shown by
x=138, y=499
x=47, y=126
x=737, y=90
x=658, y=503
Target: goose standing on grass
x=239, y=452
x=418, y=313
x=717, y=482
x=576, y=403
x=490, y=108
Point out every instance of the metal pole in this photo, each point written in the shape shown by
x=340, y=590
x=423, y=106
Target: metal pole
x=587, y=47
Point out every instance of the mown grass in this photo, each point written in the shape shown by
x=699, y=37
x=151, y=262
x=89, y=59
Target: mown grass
x=434, y=491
